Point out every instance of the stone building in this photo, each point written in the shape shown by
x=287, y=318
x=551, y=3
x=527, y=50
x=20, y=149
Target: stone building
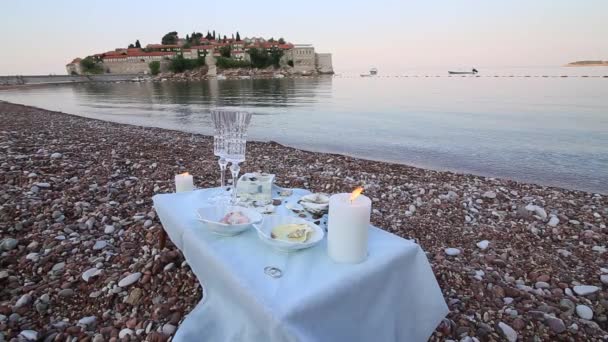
x=306, y=61
x=135, y=62
x=73, y=68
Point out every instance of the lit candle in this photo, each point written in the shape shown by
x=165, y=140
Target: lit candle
x=348, y=226
x=184, y=182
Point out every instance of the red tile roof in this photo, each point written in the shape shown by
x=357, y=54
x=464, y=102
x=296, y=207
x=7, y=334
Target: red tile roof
x=161, y=46
x=140, y=54
x=200, y=47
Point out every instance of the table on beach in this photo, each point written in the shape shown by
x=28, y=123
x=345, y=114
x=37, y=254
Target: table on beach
x=391, y=296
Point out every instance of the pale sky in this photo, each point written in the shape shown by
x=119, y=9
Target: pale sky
x=40, y=37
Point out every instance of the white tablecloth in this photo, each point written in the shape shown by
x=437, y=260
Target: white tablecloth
x=392, y=296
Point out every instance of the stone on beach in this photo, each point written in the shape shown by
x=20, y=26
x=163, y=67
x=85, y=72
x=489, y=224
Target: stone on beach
x=489, y=194
x=539, y=211
x=29, y=335
x=100, y=245
x=90, y=273
x=56, y=155
x=508, y=332
x=483, y=244
x=23, y=300
x=584, y=290
x=130, y=279
x=452, y=251
x=553, y=221
x=584, y=312
x=8, y=244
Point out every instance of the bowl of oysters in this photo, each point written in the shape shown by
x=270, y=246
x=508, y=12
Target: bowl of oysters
x=228, y=220
x=288, y=233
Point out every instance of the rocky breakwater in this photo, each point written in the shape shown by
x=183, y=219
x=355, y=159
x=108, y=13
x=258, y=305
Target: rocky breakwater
x=78, y=234
x=234, y=73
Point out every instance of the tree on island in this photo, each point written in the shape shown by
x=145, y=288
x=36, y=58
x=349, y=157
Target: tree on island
x=225, y=38
x=187, y=38
x=130, y=46
x=90, y=65
x=213, y=34
x=225, y=51
x=281, y=40
x=154, y=67
x=238, y=36
x=170, y=38
x=137, y=44
x=209, y=36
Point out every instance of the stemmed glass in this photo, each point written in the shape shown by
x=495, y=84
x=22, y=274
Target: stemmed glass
x=219, y=144
x=236, y=145
x=232, y=139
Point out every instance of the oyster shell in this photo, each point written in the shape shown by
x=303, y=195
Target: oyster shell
x=317, y=198
x=315, y=203
x=286, y=192
x=294, y=207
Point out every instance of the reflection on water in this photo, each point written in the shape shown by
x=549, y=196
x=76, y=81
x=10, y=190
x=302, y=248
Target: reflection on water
x=546, y=130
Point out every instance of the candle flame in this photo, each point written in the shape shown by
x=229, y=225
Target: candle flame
x=356, y=193
x=184, y=174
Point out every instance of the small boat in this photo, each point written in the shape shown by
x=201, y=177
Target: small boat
x=372, y=72
x=472, y=72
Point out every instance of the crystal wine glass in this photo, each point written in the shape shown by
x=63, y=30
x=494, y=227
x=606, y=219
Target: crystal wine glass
x=236, y=142
x=219, y=143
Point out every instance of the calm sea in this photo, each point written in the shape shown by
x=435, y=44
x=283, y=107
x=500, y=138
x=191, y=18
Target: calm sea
x=549, y=130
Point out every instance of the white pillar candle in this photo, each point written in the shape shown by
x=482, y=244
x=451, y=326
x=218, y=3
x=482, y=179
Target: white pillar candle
x=184, y=182
x=347, y=228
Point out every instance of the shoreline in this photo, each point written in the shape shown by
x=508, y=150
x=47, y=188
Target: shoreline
x=107, y=173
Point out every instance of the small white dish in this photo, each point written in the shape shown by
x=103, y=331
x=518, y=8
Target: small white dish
x=271, y=221
x=212, y=215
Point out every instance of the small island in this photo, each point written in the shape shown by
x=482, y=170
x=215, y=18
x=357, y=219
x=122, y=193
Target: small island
x=587, y=64
x=211, y=55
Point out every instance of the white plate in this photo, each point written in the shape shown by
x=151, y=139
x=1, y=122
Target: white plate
x=265, y=229
x=211, y=216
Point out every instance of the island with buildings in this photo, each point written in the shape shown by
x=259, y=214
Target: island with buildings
x=587, y=63
x=207, y=55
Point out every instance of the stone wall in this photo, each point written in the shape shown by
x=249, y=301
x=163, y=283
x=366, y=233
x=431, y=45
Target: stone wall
x=324, y=64
x=132, y=67
x=58, y=79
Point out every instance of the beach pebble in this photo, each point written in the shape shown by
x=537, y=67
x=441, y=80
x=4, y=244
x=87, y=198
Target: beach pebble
x=29, y=335
x=43, y=185
x=101, y=244
x=604, y=279
x=124, y=332
x=484, y=244
x=540, y=212
x=23, y=300
x=507, y=332
x=58, y=267
x=109, y=229
x=584, y=312
x=452, y=251
x=553, y=221
x=169, y=267
x=557, y=325
x=56, y=155
x=66, y=293
x=87, y=321
x=8, y=244
x=584, y=290
x=3, y=274
x=541, y=285
x=489, y=194
x=130, y=279
x=148, y=224
x=168, y=329
x=90, y=273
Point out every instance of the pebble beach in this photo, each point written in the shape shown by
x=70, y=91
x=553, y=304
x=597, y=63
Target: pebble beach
x=79, y=256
